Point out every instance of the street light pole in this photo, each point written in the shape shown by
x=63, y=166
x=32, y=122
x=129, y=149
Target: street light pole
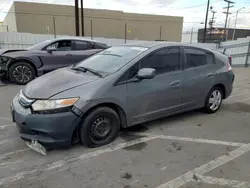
x=205, y=28
x=77, y=17
x=236, y=21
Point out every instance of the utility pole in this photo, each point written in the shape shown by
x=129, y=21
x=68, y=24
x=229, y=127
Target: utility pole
x=227, y=13
x=205, y=28
x=236, y=21
x=191, y=37
x=228, y=27
x=211, y=23
x=77, y=17
x=82, y=18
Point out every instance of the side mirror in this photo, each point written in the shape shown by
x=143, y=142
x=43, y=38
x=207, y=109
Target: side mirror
x=146, y=73
x=50, y=50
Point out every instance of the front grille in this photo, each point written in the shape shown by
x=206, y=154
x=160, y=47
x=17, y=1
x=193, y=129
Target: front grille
x=24, y=101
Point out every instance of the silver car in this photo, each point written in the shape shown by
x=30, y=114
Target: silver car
x=119, y=87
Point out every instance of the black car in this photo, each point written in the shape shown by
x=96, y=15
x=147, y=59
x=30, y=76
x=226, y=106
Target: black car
x=21, y=66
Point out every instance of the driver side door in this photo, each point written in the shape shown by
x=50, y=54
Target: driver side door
x=57, y=55
x=150, y=99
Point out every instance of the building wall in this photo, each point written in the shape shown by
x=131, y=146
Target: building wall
x=10, y=20
x=38, y=18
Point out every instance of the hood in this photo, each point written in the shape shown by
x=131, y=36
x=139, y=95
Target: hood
x=56, y=82
x=5, y=51
x=24, y=53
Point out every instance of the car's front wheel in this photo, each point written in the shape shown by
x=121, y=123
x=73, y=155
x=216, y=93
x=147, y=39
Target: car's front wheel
x=21, y=73
x=214, y=100
x=100, y=127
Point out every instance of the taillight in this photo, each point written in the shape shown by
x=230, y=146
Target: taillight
x=230, y=60
x=229, y=66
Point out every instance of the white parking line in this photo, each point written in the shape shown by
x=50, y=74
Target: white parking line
x=62, y=163
x=222, y=182
x=4, y=126
x=3, y=156
x=187, y=177
x=3, y=142
x=244, y=100
x=238, y=95
x=7, y=164
x=199, y=140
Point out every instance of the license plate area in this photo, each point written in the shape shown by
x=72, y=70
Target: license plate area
x=36, y=146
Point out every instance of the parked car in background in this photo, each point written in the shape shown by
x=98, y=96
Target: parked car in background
x=120, y=87
x=22, y=66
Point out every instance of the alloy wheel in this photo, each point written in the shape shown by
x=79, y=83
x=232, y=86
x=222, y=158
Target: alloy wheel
x=22, y=73
x=215, y=100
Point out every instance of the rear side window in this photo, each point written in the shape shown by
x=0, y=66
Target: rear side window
x=195, y=57
x=100, y=46
x=210, y=58
x=82, y=45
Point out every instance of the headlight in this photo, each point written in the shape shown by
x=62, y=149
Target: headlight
x=4, y=59
x=41, y=105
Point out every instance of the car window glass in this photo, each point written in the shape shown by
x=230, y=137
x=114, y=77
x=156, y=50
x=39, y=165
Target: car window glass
x=131, y=73
x=64, y=45
x=195, y=57
x=166, y=60
x=82, y=45
x=112, y=59
x=210, y=58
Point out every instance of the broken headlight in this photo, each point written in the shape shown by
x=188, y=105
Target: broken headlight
x=3, y=61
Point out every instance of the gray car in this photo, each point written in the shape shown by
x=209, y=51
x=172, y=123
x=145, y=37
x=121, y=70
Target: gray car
x=23, y=65
x=117, y=88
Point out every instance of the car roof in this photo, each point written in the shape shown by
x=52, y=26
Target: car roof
x=74, y=38
x=160, y=44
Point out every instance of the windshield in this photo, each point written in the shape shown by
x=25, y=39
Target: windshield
x=112, y=59
x=40, y=45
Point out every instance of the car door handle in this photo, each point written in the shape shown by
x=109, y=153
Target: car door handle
x=210, y=75
x=69, y=55
x=175, y=83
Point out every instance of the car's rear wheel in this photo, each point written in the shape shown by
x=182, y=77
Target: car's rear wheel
x=100, y=127
x=214, y=100
x=21, y=73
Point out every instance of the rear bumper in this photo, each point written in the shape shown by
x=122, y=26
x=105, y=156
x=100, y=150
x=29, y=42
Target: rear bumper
x=51, y=130
x=230, y=81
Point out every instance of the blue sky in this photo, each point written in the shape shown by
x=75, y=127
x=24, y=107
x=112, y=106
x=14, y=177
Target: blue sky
x=193, y=11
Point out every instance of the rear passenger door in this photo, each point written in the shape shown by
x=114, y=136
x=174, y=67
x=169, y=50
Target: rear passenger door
x=199, y=72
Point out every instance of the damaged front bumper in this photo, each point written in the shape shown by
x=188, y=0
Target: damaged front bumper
x=46, y=130
x=4, y=63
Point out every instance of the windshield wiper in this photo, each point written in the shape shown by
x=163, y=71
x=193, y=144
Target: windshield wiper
x=84, y=69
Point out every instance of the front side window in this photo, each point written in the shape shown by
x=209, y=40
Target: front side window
x=112, y=59
x=63, y=45
x=195, y=57
x=165, y=60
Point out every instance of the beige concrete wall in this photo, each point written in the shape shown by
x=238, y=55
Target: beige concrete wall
x=3, y=28
x=38, y=18
x=10, y=20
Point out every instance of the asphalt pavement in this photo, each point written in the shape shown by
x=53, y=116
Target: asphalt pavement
x=192, y=150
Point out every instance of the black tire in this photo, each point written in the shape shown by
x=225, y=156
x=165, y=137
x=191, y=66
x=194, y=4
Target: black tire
x=21, y=73
x=208, y=107
x=102, y=120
